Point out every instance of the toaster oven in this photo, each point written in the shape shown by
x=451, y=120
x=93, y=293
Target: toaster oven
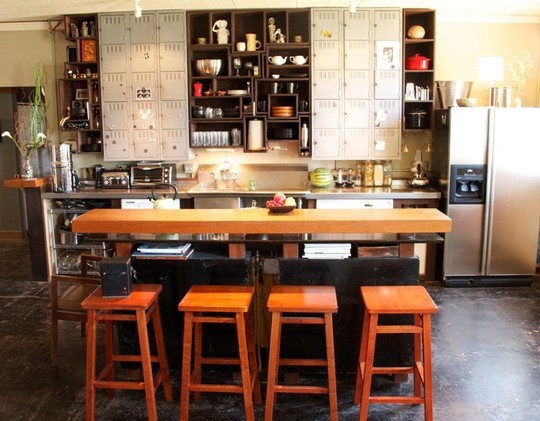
x=147, y=175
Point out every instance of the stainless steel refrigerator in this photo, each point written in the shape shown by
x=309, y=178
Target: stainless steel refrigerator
x=488, y=159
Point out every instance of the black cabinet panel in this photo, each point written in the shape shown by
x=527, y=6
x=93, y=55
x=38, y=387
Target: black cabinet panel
x=347, y=276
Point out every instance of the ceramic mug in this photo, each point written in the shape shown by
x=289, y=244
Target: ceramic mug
x=279, y=60
x=252, y=43
x=291, y=87
x=240, y=46
x=298, y=60
x=261, y=105
x=275, y=87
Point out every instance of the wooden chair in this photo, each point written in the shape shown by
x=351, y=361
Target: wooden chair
x=67, y=293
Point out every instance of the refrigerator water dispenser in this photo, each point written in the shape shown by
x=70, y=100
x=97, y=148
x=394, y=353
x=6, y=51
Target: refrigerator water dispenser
x=467, y=184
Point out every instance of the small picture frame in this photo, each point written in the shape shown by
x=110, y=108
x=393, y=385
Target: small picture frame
x=388, y=55
x=81, y=94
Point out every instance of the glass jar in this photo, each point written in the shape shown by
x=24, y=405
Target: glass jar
x=378, y=174
x=387, y=170
x=368, y=174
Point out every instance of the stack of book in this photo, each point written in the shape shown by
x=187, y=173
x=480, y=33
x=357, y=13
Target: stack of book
x=327, y=250
x=163, y=251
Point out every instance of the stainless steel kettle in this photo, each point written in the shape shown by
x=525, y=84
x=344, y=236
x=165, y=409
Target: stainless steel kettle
x=165, y=202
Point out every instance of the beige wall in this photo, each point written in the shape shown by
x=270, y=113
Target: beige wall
x=460, y=45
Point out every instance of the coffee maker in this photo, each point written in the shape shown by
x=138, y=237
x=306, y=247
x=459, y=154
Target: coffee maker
x=62, y=168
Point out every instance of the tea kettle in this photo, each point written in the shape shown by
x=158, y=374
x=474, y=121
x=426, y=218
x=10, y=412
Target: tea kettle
x=165, y=202
x=419, y=179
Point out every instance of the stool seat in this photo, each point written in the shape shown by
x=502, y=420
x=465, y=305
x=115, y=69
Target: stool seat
x=141, y=306
x=218, y=304
x=401, y=299
x=317, y=303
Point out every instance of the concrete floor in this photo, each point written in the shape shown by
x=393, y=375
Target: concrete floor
x=486, y=358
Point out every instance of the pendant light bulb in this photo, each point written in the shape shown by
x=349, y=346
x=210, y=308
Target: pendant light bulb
x=138, y=9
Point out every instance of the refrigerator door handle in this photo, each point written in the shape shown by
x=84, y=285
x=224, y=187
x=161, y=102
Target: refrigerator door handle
x=490, y=180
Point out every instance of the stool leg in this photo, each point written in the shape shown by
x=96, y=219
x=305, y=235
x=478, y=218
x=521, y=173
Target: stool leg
x=186, y=366
x=162, y=353
x=109, y=351
x=244, y=365
x=330, y=356
x=197, y=358
x=273, y=365
x=428, y=376
x=417, y=358
x=257, y=397
x=368, y=368
x=361, y=359
x=90, y=366
x=148, y=377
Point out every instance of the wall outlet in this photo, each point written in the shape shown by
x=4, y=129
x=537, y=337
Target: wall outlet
x=188, y=168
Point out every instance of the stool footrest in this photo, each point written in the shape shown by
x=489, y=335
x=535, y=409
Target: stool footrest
x=317, y=390
x=393, y=370
x=397, y=399
x=132, y=358
x=216, y=388
x=399, y=329
x=220, y=360
x=308, y=320
x=302, y=362
x=213, y=319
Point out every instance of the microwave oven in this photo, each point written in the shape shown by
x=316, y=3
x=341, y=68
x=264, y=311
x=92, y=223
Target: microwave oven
x=148, y=175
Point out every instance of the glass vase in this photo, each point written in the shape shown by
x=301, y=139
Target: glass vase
x=27, y=171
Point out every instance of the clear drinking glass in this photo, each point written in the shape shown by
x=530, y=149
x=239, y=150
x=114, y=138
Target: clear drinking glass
x=237, y=64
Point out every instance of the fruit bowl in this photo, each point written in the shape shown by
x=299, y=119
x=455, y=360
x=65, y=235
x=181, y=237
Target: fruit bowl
x=280, y=209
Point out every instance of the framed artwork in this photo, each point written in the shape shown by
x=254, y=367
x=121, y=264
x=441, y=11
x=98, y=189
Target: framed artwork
x=81, y=94
x=388, y=55
x=88, y=50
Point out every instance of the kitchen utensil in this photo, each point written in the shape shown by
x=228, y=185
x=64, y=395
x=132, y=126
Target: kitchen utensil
x=237, y=64
x=417, y=119
x=208, y=67
x=466, y=102
x=447, y=91
x=280, y=209
x=277, y=60
x=417, y=62
x=237, y=92
x=298, y=60
x=252, y=43
x=165, y=202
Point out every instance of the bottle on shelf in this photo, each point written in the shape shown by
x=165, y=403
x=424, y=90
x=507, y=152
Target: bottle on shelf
x=304, y=136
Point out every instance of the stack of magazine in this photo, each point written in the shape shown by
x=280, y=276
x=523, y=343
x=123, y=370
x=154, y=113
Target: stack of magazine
x=163, y=251
x=327, y=250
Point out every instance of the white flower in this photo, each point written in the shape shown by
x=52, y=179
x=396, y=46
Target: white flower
x=26, y=149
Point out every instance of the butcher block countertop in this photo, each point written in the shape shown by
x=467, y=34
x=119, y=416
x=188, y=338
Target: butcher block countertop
x=260, y=221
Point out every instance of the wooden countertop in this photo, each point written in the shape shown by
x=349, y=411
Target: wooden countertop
x=259, y=221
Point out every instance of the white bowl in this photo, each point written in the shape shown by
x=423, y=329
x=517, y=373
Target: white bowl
x=275, y=76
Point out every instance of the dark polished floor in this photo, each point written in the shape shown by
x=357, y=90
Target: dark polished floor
x=486, y=358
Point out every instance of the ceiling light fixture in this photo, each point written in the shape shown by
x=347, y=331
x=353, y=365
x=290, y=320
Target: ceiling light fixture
x=138, y=9
x=353, y=5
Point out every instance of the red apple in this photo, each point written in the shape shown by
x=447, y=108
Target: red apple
x=280, y=198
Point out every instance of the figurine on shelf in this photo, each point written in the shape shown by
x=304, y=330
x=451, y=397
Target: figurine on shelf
x=92, y=29
x=74, y=31
x=84, y=29
x=220, y=27
x=279, y=37
x=272, y=30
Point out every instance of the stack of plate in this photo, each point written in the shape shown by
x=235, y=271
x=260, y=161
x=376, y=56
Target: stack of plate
x=282, y=111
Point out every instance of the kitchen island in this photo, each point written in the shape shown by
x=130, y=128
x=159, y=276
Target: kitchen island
x=240, y=229
x=260, y=221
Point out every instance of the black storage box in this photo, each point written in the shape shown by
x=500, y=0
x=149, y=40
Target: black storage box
x=116, y=276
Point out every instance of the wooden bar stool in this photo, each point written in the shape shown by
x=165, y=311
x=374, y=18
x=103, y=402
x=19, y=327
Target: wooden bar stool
x=317, y=303
x=404, y=299
x=229, y=304
x=141, y=307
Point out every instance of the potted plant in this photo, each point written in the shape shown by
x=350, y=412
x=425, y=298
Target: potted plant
x=30, y=124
